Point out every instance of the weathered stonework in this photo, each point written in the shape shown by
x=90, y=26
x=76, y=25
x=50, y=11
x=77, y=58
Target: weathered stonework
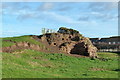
x=71, y=43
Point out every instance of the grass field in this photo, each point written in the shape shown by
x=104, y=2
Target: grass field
x=33, y=64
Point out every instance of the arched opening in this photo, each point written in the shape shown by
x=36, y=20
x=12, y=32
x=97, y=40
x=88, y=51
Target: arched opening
x=76, y=38
x=63, y=39
x=79, y=49
x=70, y=37
x=54, y=44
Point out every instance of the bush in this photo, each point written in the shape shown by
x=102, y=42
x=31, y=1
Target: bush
x=67, y=31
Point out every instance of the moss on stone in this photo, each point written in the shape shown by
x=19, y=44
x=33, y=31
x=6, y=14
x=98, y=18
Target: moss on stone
x=67, y=30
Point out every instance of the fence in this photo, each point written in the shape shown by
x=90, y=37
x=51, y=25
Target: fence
x=109, y=50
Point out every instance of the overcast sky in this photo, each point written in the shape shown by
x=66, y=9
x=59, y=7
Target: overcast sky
x=92, y=19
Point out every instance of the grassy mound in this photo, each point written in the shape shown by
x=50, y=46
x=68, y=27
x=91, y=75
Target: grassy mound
x=33, y=64
x=9, y=41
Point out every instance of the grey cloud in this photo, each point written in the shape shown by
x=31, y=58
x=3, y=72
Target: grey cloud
x=30, y=15
x=83, y=18
x=25, y=7
x=45, y=6
x=14, y=8
x=104, y=17
x=4, y=6
x=25, y=16
x=110, y=17
x=65, y=8
x=102, y=6
x=103, y=10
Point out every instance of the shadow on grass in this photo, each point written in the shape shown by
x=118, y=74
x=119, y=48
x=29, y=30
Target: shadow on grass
x=118, y=53
x=116, y=70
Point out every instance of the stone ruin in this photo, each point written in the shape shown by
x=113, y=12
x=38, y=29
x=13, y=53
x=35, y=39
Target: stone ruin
x=71, y=42
x=66, y=40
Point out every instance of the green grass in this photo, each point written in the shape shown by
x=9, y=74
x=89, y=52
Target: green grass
x=7, y=44
x=19, y=39
x=34, y=64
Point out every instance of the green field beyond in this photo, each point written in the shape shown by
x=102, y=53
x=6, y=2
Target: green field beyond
x=34, y=64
